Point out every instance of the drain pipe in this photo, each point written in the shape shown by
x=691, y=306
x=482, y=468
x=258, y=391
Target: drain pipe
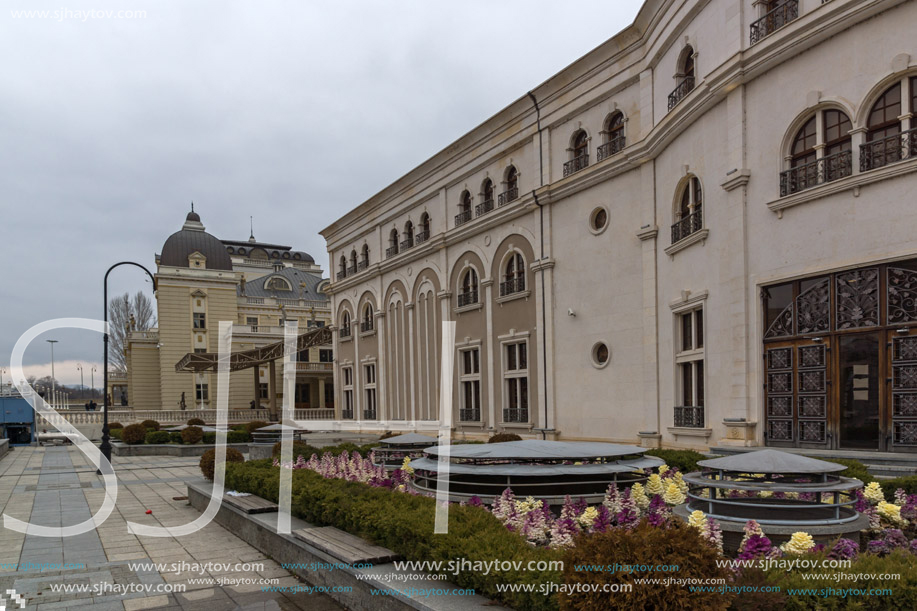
x=544, y=306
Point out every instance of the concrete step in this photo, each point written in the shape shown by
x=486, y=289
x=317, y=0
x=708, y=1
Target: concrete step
x=889, y=471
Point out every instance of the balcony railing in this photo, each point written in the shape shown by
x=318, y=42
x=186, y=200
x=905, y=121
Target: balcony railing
x=512, y=285
x=344, y=331
x=314, y=367
x=888, y=150
x=421, y=237
x=684, y=88
x=352, y=269
x=470, y=415
x=689, y=417
x=362, y=265
x=610, y=148
x=462, y=217
x=341, y=275
x=405, y=244
x=576, y=164
x=366, y=326
x=686, y=226
x=391, y=251
x=347, y=414
x=508, y=196
x=774, y=20
x=484, y=207
x=820, y=171
x=467, y=298
x=520, y=414
x=369, y=414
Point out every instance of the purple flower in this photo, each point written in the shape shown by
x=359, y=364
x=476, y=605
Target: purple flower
x=602, y=521
x=475, y=501
x=844, y=549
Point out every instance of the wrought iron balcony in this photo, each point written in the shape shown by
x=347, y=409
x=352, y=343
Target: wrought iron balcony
x=686, y=226
x=421, y=237
x=347, y=414
x=468, y=298
x=885, y=151
x=341, y=275
x=689, y=417
x=462, y=217
x=508, y=196
x=484, y=207
x=362, y=265
x=516, y=414
x=610, y=148
x=774, y=20
x=366, y=326
x=469, y=415
x=820, y=171
x=352, y=270
x=512, y=285
x=344, y=331
x=369, y=414
x=576, y=164
x=405, y=244
x=684, y=88
x=391, y=251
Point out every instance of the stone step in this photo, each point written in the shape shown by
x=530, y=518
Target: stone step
x=889, y=471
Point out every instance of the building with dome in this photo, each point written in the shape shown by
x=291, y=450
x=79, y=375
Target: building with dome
x=202, y=280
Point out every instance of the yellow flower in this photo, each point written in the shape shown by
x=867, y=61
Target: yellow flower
x=638, y=494
x=527, y=505
x=680, y=482
x=406, y=465
x=663, y=469
x=588, y=516
x=799, y=543
x=890, y=511
x=873, y=493
x=765, y=494
x=673, y=495
x=697, y=519
x=654, y=485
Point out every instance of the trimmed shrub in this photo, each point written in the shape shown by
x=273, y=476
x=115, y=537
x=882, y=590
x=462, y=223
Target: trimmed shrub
x=195, y=422
x=209, y=438
x=115, y=425
x=192, y=434
x=679, y=545
x=157, y=437
x=404, y=524
x=502, y=437
x=175, y=437
x=908, y=483
x=239, y=427
x=150, y=424
x=116, y=433
x=238, y=437
x=854, y=469
x=133, y=434
x=255, y=425
x=208, y=460
x=684, y=460
x=300, y=448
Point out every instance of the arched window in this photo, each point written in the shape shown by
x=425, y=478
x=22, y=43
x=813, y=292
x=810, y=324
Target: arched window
x=342, y=272
x=392, y=249
x=511, y=186
x=613, y=135
x=487, y=198
x=579, y=153
x=684, y=77
x=353, y=262
x=408, y=241
x=364, y=258
x=345, y=325
x=689, y=215
x=424, y=229
x=886, y=140
x=367, y=324
x=469, y=294
x=464, y=214
x=513, y=276
x=278, y=284
x=808, y=166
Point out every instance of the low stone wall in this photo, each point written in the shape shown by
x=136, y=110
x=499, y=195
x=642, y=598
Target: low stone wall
x=168, y=449
x=4, y=447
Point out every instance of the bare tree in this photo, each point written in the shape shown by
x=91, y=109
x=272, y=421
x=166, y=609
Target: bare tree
x=126, y=315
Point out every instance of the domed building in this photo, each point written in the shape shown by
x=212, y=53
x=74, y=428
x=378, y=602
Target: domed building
x=202, y=280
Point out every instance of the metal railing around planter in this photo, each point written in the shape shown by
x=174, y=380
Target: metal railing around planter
x=508, y=196
x=366, y=326
x=685, y=87
x=610, y=148
x=888, y=150
x=686, y=226
x=820, y=171
x=391, y=251
x=774, y=20
x=484, y=207
x=421, y=237
x=409, y=243
x=467, y=298
x=462, y=217
x=576, y=164
x=516, y=414
x=469, y=415
x=689, y=416
x=512, y=285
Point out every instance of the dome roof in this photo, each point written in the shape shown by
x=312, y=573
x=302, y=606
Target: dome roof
x=192, y=238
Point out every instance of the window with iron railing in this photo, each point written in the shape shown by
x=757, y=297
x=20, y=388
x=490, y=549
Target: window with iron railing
x=470, y=410
x=484, y=207
x=689, y=214
x=341, y=275
x=689, y=357
x=406, y=244
x=467, y=298
x=344, y=331
x=421, y=237
x=352, y=270
x=508, y=196
x=820, y=171
x=391, y=251
x=890, y=149
x=462, y=217
x=684, y=87
x=610, y=148
x=366, y=326
x=778, y=15
x=516, y=381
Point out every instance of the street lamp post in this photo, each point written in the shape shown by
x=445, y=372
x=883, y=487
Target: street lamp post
x=92, y=380
x=82, y=389
x=2, y=371
x=105, y=446
x=53, y=384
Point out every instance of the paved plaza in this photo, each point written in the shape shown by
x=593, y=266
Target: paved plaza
x=58, y=486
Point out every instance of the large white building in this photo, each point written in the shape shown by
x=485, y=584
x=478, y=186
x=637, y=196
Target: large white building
x=700, y=233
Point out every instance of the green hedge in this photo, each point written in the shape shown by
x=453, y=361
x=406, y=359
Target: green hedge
x=684, y=460
x=404, y=524
x=155, y=437
x=115, y=433
x=908, y=483
x=175, y=437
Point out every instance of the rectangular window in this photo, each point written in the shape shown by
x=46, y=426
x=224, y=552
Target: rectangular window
x=690, y=363
x=369, y=383
x=252, y=320
x=202, y=392
x=516, y=383
x=200, y=320
x=470, y=408
x=329, y=394
x=303, y=356
x=325, y=356
x=263, y=391
x=200, y=350
x=348, y=375
x=347, y=407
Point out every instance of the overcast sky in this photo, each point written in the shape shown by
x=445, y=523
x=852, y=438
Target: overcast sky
x=292, y=112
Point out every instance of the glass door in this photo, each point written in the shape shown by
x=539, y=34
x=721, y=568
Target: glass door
x=858, y=390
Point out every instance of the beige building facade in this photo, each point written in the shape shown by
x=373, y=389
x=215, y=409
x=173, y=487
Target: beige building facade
x=698, y=234
x=200, y=281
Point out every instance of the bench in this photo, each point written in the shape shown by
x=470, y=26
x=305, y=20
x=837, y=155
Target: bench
x=55, y=438
x=250, y=504
x=345, y=546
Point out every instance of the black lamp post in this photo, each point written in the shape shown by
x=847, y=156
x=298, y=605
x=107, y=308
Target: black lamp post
x=105, y=447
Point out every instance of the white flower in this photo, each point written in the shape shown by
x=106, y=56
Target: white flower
x=873, y=493
x=697, y=519
x=673, y=496
x=799, y=543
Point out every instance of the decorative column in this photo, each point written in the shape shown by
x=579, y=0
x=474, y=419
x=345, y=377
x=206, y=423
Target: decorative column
x=544, y=304
x=410, y=356
x=490, y=354
x=272, y=389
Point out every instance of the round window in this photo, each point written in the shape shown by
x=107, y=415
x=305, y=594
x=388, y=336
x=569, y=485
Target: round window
x=598, y=220
x=600, y=354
